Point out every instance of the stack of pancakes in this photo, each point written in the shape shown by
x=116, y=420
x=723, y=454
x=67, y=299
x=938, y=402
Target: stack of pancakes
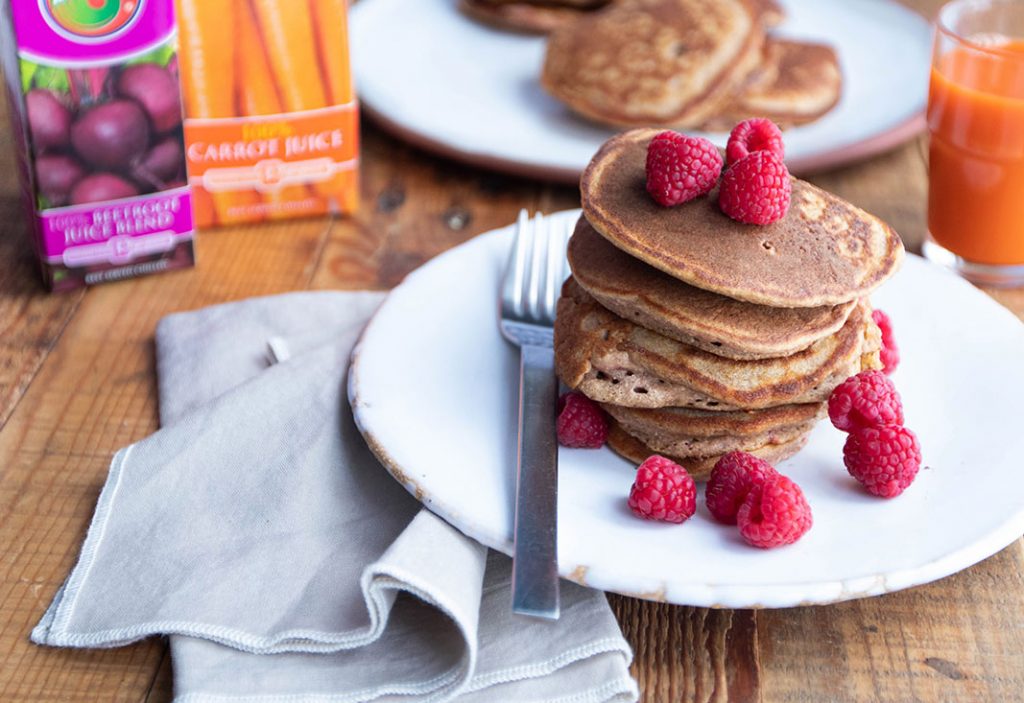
x=700, y=335
x=688, y=64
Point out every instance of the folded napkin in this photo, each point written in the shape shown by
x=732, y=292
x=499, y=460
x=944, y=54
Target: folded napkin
x=258, y=531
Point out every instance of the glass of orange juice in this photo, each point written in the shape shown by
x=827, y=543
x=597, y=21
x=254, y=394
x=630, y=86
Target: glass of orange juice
x=976, y=152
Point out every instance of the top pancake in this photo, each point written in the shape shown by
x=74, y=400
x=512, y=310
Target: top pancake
x=824, y=251
x=706, y=320
x=796, y=83
x=664, y=62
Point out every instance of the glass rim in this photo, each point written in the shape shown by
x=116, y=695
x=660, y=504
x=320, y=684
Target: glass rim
x=942, y=25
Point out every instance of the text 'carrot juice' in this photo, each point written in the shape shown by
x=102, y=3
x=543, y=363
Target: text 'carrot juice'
x=976, y=164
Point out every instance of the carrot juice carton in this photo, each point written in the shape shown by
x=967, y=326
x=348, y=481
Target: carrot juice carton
x=96, y=107
x=271, y=127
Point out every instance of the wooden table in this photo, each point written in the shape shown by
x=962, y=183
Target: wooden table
x=77, y=383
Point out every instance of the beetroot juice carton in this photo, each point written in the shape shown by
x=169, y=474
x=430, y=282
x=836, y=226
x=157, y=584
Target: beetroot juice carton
x=96, y=106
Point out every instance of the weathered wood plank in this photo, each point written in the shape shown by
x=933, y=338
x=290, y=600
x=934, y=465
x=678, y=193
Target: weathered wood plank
x=960, y=639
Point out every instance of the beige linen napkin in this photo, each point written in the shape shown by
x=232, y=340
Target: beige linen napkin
x=258, y=531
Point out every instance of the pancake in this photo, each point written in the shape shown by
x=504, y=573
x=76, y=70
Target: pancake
x=770, y=12
x=702, y=319
x=632, y=449
x=823, y=252
x=684, y=432
x=798, y=83
x=653, y=62
x=528, y=17
x=612, y=360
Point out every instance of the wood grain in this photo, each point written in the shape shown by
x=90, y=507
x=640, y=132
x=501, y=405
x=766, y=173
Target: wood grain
x=76, y=383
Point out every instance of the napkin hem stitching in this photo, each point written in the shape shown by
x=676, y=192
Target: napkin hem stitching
x=93, y=539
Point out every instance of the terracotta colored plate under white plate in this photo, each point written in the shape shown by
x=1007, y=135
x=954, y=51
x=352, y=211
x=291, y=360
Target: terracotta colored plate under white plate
x=451, y=85
x=434, y=385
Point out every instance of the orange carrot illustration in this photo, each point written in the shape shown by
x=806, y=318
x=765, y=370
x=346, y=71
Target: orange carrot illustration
x=287, y=30
x=331, y=20
x=207, y=57
x=209, y=78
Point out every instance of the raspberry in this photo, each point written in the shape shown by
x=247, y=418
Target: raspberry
x=884, y=459
x=865, y=400
x=774, y=513
x=730, y=482
x=663, y=490
x=581, y=422
x=756, y=189
x=890, y=353
x=758, y=134
x=680, y=167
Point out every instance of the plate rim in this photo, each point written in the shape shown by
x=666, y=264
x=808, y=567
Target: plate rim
x=690, y=593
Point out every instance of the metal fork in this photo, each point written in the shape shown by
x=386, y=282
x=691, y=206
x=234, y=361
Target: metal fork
x=536, y=269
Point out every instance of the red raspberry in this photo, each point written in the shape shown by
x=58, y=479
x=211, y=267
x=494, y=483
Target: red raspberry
x=730, y=482
x=756, y=189
x=884, y=459
x=865, y=400
x=774, y=513
x=680, y=167
x=890, y=353
x=663, y=490
x=581, y=422
x=758, y=134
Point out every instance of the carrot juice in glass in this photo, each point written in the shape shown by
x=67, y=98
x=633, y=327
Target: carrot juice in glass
x=976, y=153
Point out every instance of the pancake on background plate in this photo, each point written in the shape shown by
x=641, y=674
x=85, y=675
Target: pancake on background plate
x=526, y=16
x=796, y=83
x=664, y=62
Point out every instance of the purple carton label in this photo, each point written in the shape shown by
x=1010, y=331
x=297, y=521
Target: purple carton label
x=119, y=231
x=81, y=32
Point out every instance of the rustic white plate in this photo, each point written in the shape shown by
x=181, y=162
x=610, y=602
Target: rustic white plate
x=454, y=86
x=433, y=386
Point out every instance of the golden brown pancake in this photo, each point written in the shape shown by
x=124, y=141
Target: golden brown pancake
x=770, y=12
x=797, y=83
x=705, y=320
x=685, y=432
x=526, y=16
x=612, y=360
x=632, y=449
x=824, y=251
x=653, y=62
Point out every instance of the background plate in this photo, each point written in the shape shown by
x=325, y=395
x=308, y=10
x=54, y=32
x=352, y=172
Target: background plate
x=433, y=387
x=451, y=85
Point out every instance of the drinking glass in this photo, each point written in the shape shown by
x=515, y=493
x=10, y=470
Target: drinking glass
x=976, y=152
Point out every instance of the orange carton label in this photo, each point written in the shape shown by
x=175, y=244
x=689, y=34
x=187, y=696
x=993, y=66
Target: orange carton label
x=272, y=121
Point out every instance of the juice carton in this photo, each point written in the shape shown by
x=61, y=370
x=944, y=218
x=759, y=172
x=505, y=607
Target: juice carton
x=271, y=127
x=96, y=106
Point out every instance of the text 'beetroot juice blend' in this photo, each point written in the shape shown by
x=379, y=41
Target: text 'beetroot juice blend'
x=96, y=105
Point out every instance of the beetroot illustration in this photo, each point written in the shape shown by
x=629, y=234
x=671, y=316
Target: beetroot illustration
x=101, y=186
x=56, y=175
x=156, y=90
x=49, y=120
x=111, y=135
x=160, y=164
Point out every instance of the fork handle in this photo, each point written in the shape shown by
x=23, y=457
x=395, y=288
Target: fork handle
x=535, y=565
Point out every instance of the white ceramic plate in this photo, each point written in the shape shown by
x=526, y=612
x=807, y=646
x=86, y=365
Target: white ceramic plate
x=433, y=386
x=454, y=86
